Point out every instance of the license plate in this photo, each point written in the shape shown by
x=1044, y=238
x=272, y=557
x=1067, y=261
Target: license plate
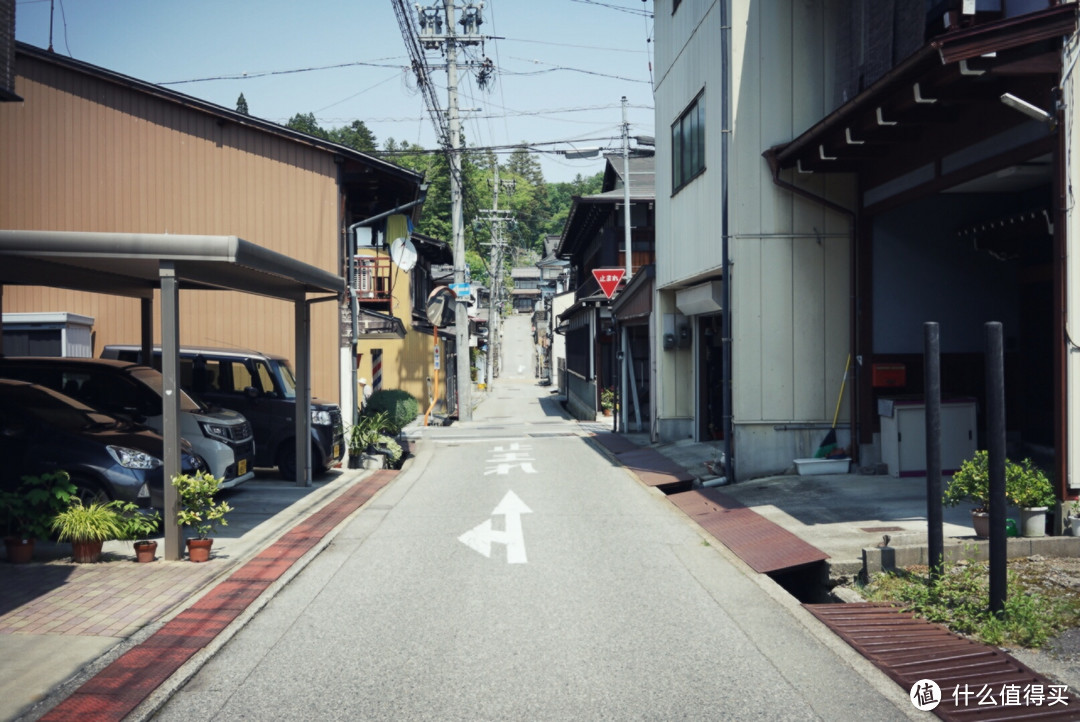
x=241, y=467
x=337, y=450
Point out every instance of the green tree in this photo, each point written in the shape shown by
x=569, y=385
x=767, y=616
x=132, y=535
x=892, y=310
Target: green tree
x=241, y=105
x=356, y=135
x=306, y=123
x=560, y=198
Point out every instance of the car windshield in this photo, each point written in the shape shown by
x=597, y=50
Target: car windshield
x=56, y=410
x=286, y=380
x=153, y=379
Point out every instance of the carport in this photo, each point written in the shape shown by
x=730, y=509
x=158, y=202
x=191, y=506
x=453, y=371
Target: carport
x=135, y=265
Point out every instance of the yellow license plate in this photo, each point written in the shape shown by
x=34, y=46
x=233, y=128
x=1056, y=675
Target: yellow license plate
x=241, y=467
x=337, y=450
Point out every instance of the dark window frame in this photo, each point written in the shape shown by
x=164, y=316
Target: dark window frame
x=688, y=144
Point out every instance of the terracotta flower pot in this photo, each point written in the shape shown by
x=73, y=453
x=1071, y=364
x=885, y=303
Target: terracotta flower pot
x=980, y=520
x=19, y=551
x=199, y=549
x=86, y=552
x=145, y=551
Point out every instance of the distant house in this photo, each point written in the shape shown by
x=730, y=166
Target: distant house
x=92, y=150
x=526, y=291
x=595, y=237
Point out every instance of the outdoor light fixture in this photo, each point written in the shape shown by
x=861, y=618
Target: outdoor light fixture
x=577, y=154
x=1031, y=111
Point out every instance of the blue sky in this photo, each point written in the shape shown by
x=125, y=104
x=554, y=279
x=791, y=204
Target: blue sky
x=564, y=64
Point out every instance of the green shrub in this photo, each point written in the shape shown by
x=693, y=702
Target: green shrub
x=399, y=406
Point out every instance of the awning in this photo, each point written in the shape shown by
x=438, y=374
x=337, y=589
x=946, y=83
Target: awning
x=128, y=264
x=705, y=297
x=937, y=95
x=634, y=303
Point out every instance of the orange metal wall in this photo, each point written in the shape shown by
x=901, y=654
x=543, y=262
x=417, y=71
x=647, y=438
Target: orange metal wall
x=83, y=154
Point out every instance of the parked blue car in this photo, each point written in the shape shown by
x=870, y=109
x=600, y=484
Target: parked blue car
x=108, y=457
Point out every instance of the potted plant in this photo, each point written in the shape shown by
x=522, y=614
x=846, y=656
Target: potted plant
x=607, y=400
x=29, y=510
x=136, y=525
x=1074, y=517
x=87, y=527
x=971, y=483
x=1028, y=488
x=198, y=510
x=365, y=435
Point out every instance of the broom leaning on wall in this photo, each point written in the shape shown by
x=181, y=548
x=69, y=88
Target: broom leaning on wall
x=828, y=447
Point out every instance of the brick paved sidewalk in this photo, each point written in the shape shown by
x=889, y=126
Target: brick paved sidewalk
x=107, y=599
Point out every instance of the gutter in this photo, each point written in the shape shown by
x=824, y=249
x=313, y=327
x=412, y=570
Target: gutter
x=727, y=421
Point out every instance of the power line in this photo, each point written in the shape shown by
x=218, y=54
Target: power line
x=620, y=8
x=265, y=73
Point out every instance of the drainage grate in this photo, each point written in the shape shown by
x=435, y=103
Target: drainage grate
x=875, y=529
x=908, y=650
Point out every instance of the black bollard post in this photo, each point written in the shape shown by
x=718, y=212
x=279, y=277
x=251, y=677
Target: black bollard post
x=995, y=446
x=932, y=399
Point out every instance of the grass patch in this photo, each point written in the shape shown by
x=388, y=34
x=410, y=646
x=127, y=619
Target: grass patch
x=1035, y=611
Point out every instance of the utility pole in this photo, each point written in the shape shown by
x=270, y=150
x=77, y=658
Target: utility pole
x=626, y=192
x=433, y=37
x=457, y=222
x=496, y=217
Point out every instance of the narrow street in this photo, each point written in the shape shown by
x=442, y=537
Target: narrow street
x=513, y=572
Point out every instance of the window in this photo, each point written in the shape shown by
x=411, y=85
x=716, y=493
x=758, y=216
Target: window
x=688, y=145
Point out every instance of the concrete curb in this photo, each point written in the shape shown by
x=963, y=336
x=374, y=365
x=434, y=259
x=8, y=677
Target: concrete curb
x=152, y=704
x=890, y=558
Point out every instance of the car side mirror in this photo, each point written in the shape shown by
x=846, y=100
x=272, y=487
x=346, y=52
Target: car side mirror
x=251, y=392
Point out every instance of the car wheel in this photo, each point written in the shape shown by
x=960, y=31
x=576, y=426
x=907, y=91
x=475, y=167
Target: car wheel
x=287, y=462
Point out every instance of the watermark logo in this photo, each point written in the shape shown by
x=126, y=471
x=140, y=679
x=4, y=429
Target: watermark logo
x=925, y=695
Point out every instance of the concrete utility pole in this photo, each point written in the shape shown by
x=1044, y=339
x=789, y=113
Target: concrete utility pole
x=626, y=192
x=496, y=217
x=457, y=222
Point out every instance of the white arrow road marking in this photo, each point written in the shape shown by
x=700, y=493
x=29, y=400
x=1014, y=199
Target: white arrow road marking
x=482, y=536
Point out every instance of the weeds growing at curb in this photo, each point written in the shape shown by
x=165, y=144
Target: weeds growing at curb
x=1036, y=608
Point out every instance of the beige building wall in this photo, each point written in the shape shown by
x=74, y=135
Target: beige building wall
x=83, y=154
x=790, y=273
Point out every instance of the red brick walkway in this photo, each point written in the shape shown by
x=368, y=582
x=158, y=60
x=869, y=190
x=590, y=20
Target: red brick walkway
x=119, y=688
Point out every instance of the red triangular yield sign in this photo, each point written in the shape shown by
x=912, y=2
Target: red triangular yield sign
x=608, y=278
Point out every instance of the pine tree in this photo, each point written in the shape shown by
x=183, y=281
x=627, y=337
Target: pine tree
x=241, y=105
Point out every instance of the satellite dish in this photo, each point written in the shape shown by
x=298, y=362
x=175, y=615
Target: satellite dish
x=403, y=254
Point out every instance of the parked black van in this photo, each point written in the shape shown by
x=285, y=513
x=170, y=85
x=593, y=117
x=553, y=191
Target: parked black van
x=262, y=387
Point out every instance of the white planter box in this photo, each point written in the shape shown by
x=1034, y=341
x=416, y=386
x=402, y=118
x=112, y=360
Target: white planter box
x=817, y=467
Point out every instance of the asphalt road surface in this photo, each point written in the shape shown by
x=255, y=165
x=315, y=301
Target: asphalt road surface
x=512, y=572
x=518, y=350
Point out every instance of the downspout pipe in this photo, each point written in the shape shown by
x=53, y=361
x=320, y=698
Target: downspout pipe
x=354, y=306
x=725, y=231
x=774, y=166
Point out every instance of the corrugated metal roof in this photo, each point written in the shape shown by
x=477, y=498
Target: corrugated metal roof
x=216, y=110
